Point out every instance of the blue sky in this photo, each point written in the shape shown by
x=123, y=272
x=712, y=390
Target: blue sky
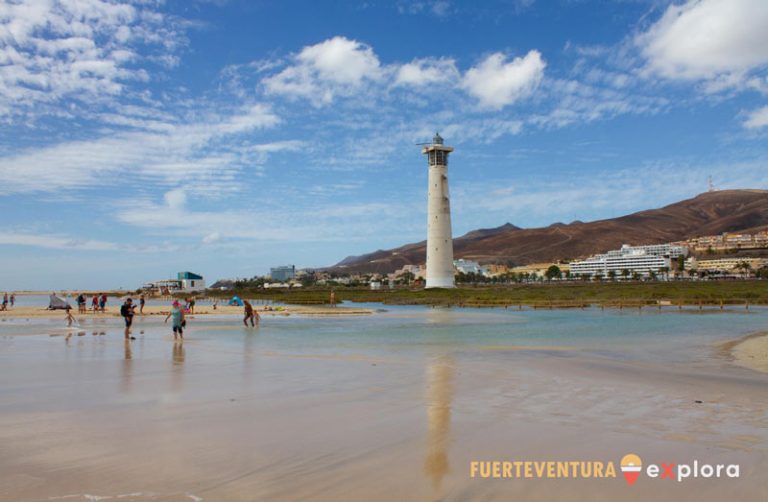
x=142, y=138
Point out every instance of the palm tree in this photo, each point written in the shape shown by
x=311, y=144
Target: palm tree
x=747, y=268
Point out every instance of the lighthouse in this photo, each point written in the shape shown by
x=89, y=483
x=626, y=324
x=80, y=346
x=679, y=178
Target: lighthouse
x=439, y=239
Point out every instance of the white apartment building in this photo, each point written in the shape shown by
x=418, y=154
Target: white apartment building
x=636, y=259
x=468, y=266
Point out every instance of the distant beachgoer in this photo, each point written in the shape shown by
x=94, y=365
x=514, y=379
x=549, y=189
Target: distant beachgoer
x=215, y=304
x=70, y=319
x=13, y=299
x=126, y=310
x=333, y=298
x=178, y=320
x=4, y=306
x=192, y=305
x=81, y=303
x=141, y=304
x=103, y=302
x=250, y=314
x=95, y=303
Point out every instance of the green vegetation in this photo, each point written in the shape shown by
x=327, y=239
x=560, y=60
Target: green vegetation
x=556, y=295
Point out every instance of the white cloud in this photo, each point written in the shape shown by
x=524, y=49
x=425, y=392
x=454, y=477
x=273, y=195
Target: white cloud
x=439, y=8
x=85, y=50
x=211, y=238
x=54, y=242
x=497, y=83
x=421, y=72
x=757, y=118
x=203, y=155
x=321, y=71
x=705, y=39
x=175, y=199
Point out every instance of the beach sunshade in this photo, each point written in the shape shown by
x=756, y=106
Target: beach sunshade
x=57, y=303
x=236, y=301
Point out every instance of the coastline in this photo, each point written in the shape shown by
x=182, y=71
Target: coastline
x=749, y=352
x=204, y=310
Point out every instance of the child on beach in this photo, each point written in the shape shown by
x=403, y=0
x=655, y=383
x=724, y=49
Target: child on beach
x=126, y=310
x=70, y=318
x=178, y=320
x=250, y=314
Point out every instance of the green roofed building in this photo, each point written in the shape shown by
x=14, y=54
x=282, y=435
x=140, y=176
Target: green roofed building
x=191, y=282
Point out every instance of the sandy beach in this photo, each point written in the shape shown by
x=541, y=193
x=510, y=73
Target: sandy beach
x=202, y=310
x=393, y=405
x=750, y=352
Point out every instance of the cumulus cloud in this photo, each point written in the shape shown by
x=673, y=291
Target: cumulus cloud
x=426, y=71
x=757, y=118
x=86, y=50
x=707, y=39
x=496, y=82
x=321, y=71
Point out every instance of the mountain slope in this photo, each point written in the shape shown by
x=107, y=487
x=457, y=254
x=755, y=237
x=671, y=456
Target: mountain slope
x=706, y=214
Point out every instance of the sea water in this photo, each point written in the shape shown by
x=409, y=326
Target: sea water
x=651, y=334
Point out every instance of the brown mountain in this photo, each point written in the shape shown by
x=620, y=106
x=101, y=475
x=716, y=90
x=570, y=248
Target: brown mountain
x=706, y=214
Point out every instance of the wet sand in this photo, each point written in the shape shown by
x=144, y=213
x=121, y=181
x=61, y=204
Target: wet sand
x=251, y=420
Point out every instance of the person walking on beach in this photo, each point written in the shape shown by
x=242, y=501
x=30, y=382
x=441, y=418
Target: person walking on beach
x=81, y=303
x=126, y=310
x=192, y=305
x=5, y=302
x=69, y=318
x=250, y=314
x=178, y=320
x=141, y=304
x=13, y=299
x=103, y=302
x=95, y=303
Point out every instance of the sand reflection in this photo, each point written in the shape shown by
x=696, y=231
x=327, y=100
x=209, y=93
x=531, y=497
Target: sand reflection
x=127, y=368
x=177, y=371
x=440, y=376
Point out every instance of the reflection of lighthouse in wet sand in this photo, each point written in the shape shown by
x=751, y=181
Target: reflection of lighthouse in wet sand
x=439, y=239
x=439, y=397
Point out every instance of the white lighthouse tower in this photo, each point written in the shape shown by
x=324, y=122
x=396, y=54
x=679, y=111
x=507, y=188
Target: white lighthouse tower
x=439, y=239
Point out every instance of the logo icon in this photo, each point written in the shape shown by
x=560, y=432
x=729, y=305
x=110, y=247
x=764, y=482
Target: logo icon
x=631, y=465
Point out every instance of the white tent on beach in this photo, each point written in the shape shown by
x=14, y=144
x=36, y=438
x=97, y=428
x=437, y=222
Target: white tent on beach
x=57, y=303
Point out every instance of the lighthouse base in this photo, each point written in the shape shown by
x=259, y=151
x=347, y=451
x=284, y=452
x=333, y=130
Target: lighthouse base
x=440, y=282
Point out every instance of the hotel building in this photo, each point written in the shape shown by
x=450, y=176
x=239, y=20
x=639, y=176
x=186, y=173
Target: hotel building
x=636, y=259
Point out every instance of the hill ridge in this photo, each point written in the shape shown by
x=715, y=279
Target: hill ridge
x=709, y=213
